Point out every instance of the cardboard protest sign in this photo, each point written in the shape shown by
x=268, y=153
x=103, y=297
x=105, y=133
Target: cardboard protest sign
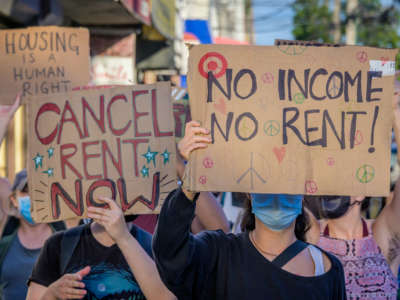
x=42, y=60
x=292, y=119
x=115, y=142
x=181, y=111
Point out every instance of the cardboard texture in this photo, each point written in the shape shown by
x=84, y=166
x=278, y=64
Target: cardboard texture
x=42, y=60
x=181, y=111
x=114, y=142
x=292, y=119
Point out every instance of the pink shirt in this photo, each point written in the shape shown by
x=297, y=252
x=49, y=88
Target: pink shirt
x=367, y=273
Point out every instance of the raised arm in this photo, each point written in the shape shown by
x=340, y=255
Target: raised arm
x=386, y=227
x=141, y=264
x=6, y=114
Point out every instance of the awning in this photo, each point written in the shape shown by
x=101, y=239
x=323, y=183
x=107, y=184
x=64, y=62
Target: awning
x=228, y=41
x=107, y=12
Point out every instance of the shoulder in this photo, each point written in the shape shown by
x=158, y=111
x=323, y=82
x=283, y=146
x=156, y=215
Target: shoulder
x=143, y=237
x=333, y=260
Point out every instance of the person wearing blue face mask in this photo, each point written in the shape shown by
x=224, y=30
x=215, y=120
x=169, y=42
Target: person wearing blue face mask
x=268, y=260
x=21, y=241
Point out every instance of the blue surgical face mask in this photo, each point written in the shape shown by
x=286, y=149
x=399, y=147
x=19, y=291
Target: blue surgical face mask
x=24, y=207
x=276, y=211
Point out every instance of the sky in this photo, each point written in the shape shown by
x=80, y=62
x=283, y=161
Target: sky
x=273, y=19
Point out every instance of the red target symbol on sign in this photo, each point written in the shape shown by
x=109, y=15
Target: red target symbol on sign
x=311, y=187
x=212, y=62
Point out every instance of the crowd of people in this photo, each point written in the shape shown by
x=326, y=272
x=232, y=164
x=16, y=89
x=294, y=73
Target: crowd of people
x=282, y=250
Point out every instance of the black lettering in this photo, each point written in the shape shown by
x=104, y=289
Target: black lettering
x=212, y=80
x=311, y=129
x=370, y=90
x=228, y=126
x=292, y=76
x=237, y=124
x=319, y=72
x=353, y=126
x=253, y=83
x=327, y=119
x=347, y=80
x=288, y=124
x=332, y=89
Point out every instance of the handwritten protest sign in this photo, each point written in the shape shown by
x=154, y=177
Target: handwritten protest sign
x=181, y=111
x=116, y=142
x=292, y=119
x=42, y=60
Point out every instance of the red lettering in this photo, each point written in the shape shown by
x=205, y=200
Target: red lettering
x=64, y=160
x=135, y=144
x=137, y=115
x=117, y=164
x=73, y=119
x=99, y=121
x=86, y=157
x=157, y=131
x=121, y=131
x=44, y=108
x=90, y=201
x=56, y=191
x=155, y=196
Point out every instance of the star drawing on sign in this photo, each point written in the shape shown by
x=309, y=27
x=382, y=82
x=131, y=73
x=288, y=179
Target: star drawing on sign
x=49, y=172
x=145, y=171
x=38, y=159
x=150, y=156
x=50, y=151
x=166, y=156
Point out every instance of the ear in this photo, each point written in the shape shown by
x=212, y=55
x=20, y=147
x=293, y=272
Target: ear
x=14, y=200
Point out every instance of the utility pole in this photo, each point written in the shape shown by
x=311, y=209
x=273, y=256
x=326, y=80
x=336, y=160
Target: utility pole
x=337, y=34
x=351, y=30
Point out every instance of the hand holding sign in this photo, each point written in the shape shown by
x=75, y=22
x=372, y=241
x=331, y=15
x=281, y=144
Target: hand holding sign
x=111, y=218
x=195, y=137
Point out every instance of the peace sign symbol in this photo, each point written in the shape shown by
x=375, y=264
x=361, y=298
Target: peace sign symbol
x=272, y=128
x=334, y=89
x=299, y=98
x=365, y=173
x=292, y=49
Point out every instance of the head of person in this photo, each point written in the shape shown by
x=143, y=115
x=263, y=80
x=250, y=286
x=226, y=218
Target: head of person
x=20, y=201
x=277, y=212
x=334, y=207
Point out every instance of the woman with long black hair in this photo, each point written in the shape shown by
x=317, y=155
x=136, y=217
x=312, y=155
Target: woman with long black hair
x=268, y=260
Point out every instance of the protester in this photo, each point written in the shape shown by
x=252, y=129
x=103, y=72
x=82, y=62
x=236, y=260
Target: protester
x=368, y=249
x=101, y=260
x=21, y=242
x=267, y=261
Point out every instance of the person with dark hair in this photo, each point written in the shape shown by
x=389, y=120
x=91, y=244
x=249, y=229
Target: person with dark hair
x=91, y=261
x=368, y=249
x=266, y=261
x=21, y=241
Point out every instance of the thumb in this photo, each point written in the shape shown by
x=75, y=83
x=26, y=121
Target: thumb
x=85, y=271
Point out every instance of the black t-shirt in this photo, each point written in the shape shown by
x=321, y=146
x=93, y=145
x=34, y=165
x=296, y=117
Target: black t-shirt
x=215, y=265
x=110, y=277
